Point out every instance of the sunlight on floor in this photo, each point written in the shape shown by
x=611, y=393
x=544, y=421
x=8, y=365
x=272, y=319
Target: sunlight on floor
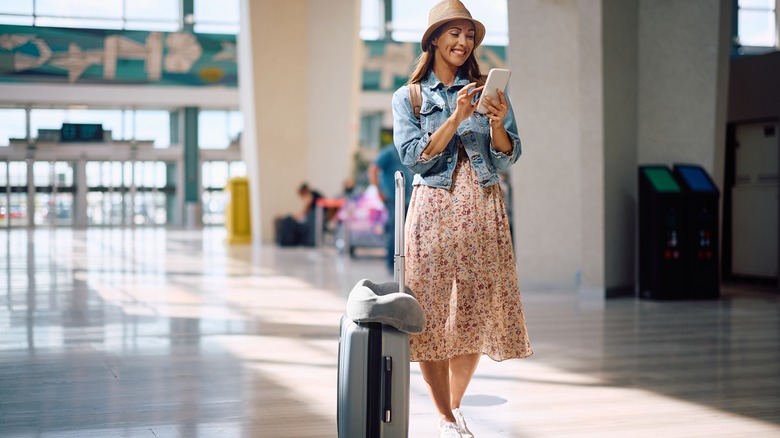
x=523, y=397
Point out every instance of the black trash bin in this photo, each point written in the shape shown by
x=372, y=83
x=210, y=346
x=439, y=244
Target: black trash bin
x=702, y=204
x=662, y=235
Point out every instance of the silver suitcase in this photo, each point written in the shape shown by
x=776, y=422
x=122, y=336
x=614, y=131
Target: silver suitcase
x=373, y=364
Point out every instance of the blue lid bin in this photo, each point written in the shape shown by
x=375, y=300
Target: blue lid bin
x=662, y=234
x=702, y=222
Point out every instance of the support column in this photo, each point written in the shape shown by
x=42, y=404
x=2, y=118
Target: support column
x=171, y=204
x=300, y=98
x=30, y=193
x=556, y=180
x=192, y=208
x=80, y=197
x=621, y=78
x=682, y=91
x=590, y=280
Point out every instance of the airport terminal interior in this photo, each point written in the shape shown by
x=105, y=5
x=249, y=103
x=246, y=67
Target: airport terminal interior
x=137, y=301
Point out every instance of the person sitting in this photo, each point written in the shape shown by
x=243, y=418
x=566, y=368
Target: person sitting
x=300, y=228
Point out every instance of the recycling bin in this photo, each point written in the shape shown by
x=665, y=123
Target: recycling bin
x=701, y=219
x=662, y=235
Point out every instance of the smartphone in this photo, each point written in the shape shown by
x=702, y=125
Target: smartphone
x=498, y=78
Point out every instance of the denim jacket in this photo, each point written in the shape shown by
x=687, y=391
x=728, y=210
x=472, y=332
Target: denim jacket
x=411, y=136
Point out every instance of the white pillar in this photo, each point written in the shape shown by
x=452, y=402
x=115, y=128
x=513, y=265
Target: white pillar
x=683, y=82
x=299, y=79
x=600, y=86
x=555, y=182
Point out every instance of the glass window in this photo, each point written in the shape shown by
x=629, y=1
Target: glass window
x=215, y=174
x=128, y=124
x=78, y=23
x=115, y=174
x=214, y=129
x=17, y=207
x=153, y=125
x=111, y=9
x=13, y=124
x=370, y=126
x=63, y=208
x=237, y=168
x=410, y=19
x=128, y=174
x=236, y=125
x=23, y=7
x=757, y=23
x=160, y=175
x=20, y=12
x=45, y=119
x=93, y=173
x=19, y=20
x=17, y=174
x=54, y=118
x=110, y=119
x=162, y=15
x=372, y=20
x=64, y=174
x=761, y=4
x=162, y=26
x=150, y=174
x=42, y=174
x=220, y=17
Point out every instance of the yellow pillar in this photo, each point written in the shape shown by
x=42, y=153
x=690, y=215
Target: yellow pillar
x=237, y=215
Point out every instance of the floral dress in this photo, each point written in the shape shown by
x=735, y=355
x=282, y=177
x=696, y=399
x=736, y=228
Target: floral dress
x=460, y=263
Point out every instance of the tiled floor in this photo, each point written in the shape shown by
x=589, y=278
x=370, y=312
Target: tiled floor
x=160, y=333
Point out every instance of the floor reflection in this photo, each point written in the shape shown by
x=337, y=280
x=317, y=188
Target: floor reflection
x=170, y=333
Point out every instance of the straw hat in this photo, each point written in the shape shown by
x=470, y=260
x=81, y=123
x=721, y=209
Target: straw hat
x=446, y=11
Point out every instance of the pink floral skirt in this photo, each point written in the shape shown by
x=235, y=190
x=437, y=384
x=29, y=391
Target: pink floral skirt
x=460, y=263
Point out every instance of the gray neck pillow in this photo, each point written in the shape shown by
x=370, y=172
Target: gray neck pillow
x=384, y=303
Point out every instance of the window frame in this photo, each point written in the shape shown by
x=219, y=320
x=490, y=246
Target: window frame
x=749, y=49
x=124, y=21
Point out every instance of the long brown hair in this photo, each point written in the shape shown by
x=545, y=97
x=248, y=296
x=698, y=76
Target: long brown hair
x=424, y=64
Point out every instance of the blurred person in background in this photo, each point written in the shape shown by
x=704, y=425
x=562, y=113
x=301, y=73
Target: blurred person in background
x=381, y=173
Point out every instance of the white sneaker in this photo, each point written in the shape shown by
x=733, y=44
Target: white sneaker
x=449, y=430
x=461, y=422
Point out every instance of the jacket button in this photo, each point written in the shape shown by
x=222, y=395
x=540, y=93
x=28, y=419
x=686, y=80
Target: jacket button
x=449, y=160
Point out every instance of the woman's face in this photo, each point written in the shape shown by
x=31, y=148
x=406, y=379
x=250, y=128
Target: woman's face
x=455, y=42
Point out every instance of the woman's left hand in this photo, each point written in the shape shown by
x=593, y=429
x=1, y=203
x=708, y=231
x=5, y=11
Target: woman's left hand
x=497, y=109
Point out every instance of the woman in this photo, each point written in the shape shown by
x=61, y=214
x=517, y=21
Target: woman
x=459, y=257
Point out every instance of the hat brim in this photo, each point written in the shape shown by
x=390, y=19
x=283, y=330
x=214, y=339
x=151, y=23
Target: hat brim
x=478, y=27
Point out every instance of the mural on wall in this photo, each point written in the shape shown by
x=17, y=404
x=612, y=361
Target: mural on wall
x=101, y=56
x=386, y=65
x=89, y=56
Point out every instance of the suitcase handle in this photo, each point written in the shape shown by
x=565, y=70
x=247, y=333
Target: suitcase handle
x=387, y=407
x=400, y=216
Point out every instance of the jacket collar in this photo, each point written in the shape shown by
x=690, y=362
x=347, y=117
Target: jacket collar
x=433, y=82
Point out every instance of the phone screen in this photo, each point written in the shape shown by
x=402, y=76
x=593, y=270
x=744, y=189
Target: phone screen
x=498, y=78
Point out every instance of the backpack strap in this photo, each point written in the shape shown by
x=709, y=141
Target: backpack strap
x=415, y=98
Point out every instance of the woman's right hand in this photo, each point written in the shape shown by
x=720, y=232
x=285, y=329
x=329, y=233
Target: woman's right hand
x=465, y=103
